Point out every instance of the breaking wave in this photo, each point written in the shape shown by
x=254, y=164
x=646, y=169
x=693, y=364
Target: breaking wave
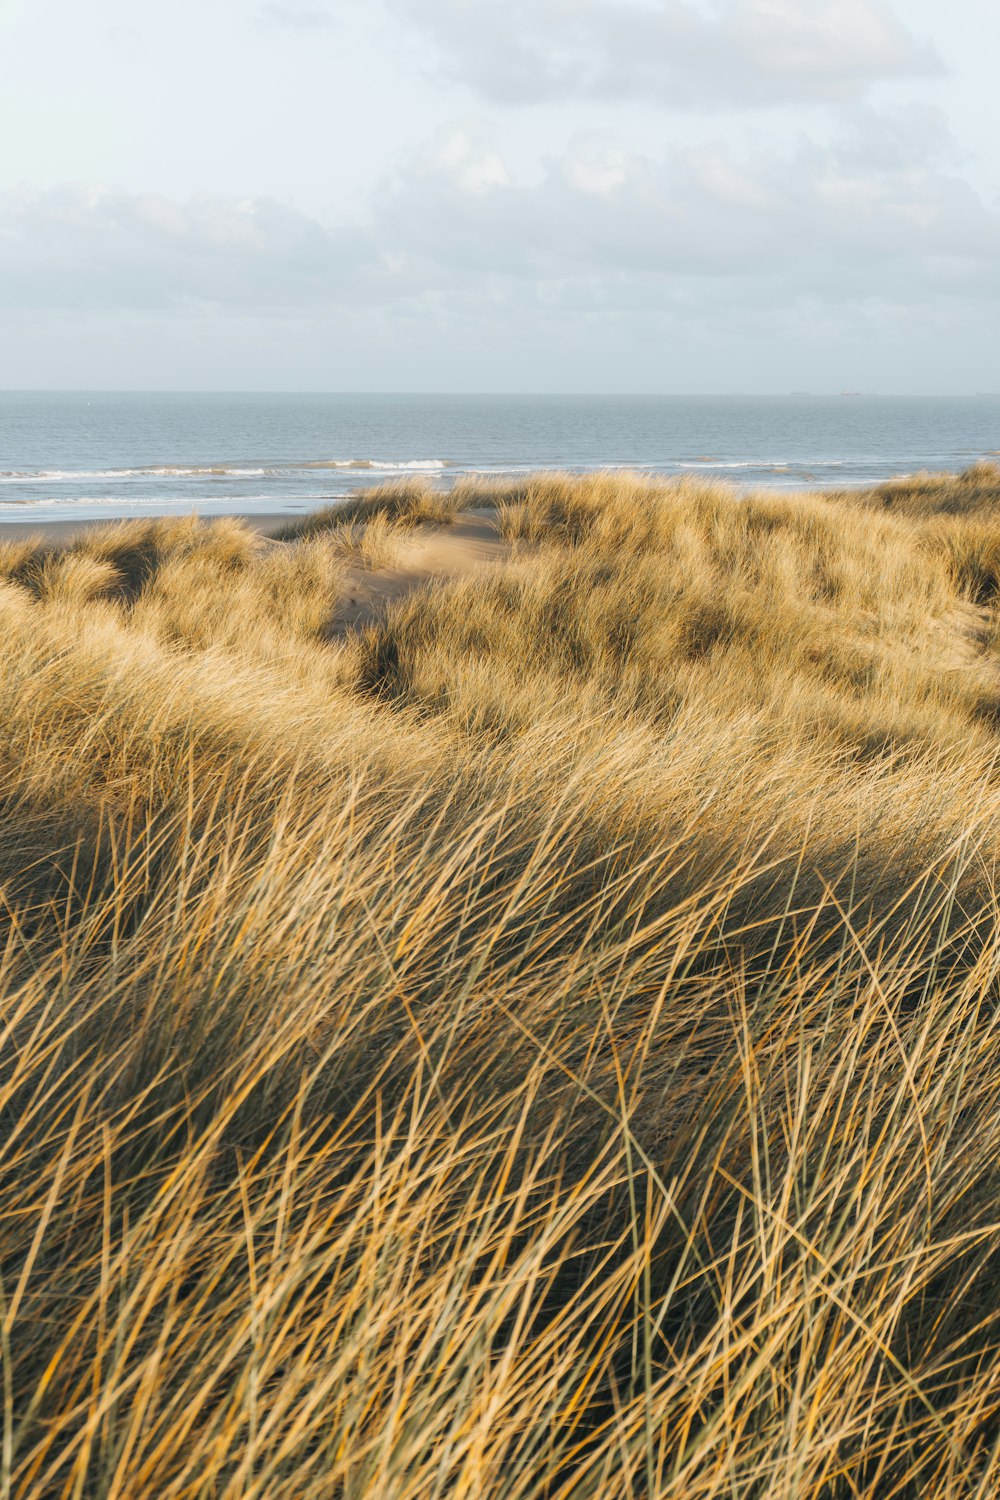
x=222, y=471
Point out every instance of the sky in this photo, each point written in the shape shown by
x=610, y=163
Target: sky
x=667, y=196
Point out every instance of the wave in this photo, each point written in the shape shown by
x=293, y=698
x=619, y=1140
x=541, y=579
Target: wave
x=226, y=470
x=413, y=465
x=774, y=465
x=60, y=476
x=379, y=466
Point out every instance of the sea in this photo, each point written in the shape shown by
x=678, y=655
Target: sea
x=83, y=455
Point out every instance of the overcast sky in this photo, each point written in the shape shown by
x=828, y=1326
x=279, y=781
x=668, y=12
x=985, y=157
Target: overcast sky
x=509, y=195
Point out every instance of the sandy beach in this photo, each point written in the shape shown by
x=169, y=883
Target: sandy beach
x=57, y=533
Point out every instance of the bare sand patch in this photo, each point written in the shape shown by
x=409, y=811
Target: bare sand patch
x=429, y=552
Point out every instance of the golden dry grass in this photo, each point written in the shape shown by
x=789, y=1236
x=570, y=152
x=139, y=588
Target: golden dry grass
x=544, y=1044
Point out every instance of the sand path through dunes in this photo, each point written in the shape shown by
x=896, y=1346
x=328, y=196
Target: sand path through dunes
x=432, y=551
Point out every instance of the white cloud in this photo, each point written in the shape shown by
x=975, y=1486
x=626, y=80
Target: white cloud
x=461, y=156
x=833, y=222
x=80, y=246
x=298, y=17
x=678, y=53
x=878, y=215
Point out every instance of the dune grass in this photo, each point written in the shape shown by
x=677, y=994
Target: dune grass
x=545, y=1044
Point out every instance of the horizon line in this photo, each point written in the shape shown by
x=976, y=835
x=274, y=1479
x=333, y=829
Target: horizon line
x=46, y=390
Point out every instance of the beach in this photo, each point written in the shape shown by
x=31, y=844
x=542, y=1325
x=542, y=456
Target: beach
x=87, y=455
x=59, y=533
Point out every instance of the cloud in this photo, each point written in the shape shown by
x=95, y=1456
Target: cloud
x=877, y=213
x=880, y=215
x=690, y=54
x=297, y=17
x=463, y=158
x=912, y=137
x=93, y=247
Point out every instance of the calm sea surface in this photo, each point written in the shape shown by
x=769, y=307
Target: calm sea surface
x=81, y=455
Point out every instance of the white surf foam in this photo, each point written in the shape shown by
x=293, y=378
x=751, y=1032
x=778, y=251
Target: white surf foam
x=380, y=465
x=62, y=476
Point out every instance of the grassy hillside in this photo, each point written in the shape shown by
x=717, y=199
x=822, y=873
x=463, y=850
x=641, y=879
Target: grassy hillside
x=540, y=1041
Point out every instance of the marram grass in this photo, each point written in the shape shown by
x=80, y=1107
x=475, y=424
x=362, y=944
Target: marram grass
x=545, y=1044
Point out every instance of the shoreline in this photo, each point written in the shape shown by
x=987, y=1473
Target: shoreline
x=58, y=533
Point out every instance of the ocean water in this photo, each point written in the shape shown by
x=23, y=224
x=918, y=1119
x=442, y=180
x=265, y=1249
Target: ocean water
x=83, y=454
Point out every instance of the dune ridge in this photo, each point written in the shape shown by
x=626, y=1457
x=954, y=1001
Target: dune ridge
x=499, y=997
